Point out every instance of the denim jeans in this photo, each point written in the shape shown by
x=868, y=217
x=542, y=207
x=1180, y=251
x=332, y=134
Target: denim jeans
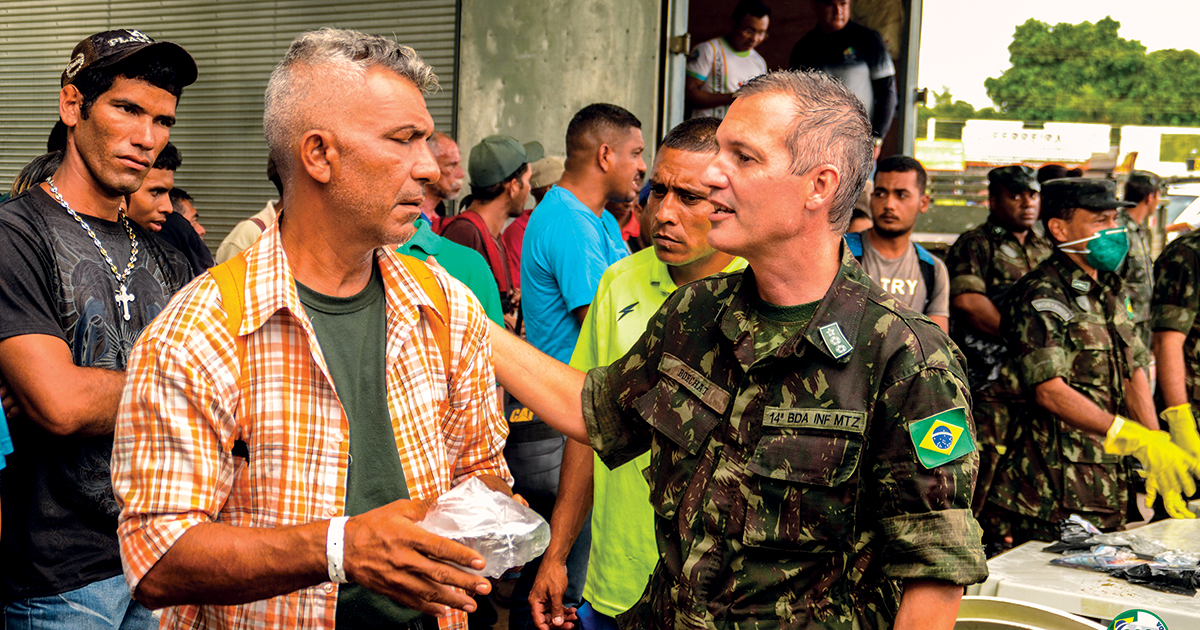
x=591, y=619
x=534, y=454
x=103, y=605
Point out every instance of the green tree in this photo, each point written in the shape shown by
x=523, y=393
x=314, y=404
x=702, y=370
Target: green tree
x=1088, y=73
x=955, y=112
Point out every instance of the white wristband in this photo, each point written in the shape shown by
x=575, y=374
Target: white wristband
x=335, y=547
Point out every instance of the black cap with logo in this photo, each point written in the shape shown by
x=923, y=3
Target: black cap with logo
x=110, y=47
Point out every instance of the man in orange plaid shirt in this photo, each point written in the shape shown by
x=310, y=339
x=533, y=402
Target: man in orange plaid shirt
x=272, y=478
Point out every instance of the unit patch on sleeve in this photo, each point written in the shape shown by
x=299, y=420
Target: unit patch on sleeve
x=942, y=438
x=1047, y=305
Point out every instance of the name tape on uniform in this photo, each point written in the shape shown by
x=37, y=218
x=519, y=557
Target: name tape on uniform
x=707, y=391
x=831, y=419
x=942, y=438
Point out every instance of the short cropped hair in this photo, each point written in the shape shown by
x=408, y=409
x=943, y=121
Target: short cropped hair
x=1137, y=191
x=93, y=82
x=903, y=164
x=750, y=7
x=829, y=126
x=695, y=135
x=299, y=97
x=600, y=119
x=488, y=193
x=178, y=196
x=168, y=159
x=1048, y=172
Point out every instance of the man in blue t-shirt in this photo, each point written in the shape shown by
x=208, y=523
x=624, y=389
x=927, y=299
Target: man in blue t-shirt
x=568, y=244
x=570, y=240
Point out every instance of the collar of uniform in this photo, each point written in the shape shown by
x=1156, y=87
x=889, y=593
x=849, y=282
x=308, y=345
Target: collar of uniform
x=843, y=304
x=270, y=288
x=1074, y=275
x=424, y=239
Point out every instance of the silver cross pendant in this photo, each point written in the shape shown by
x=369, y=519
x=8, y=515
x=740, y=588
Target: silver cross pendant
x=124, y=298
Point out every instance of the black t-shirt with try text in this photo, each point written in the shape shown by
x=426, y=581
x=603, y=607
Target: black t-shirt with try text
x=59, y=514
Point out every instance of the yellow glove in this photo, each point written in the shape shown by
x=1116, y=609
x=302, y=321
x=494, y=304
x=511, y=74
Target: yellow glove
x=1169, y=470
x=1183, y=428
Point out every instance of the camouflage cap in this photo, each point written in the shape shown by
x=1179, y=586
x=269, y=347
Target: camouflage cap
x=1147, y=179
x=1078, y=192
x=1015, y=178
x=110, y=47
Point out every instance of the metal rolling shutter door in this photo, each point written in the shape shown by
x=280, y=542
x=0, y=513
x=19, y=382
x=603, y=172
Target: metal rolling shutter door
x=236, y=44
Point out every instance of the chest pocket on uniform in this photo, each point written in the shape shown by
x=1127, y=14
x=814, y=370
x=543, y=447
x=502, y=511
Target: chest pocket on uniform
x=800, y=493
x=678, y=414
x=1089, y=338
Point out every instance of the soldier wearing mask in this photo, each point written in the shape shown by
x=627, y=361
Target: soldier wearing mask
x=1080, y=359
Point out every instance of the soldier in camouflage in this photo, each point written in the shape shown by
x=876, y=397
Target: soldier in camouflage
x=1079, y=357
x=984, y=263
x=812, y=460
x=1174, y=310
x=1143, y=189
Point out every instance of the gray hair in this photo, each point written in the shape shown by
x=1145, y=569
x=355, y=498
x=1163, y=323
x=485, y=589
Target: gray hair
x=830, y=126
x=319, y=69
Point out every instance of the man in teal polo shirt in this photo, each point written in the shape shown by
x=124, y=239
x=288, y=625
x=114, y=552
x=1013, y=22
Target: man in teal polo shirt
x=464, y=263
x=623, y=550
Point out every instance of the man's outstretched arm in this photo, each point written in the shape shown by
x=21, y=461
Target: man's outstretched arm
x=550, y=389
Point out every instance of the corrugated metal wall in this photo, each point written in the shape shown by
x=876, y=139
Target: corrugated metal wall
x=236, y=44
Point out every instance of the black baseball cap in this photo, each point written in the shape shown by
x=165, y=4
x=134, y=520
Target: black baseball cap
x=110, y=47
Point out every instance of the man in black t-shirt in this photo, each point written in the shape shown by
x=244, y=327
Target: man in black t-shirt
x=854, y=54
x=81, y=281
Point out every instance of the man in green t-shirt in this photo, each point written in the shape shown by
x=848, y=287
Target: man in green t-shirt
x=623, y=551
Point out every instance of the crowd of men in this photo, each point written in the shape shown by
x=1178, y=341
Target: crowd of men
x=733, y=409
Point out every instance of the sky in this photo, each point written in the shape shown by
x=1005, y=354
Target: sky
x=965, y=41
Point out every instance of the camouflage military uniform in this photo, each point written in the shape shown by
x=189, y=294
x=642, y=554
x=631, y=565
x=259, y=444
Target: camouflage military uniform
x=990, y=260
x=787, y=489
x=1136, y=272
x=1177, y=302
x=1062, y=323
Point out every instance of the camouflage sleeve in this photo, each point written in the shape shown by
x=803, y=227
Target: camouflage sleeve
x=1037, y=339
x=616, y=430
x=925, y=513
x=967, y=262
x=1176, y=293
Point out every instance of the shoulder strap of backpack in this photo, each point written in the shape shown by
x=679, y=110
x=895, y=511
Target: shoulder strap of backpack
x=231, y=281
x=441, y=309
x=928, y=271
x=854, y=242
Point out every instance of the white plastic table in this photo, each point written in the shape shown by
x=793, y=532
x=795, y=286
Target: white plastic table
x=1025, y=574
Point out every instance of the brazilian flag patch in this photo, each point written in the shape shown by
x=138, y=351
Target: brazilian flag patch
x=942, y=438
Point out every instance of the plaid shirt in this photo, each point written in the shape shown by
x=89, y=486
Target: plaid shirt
x=184, y=407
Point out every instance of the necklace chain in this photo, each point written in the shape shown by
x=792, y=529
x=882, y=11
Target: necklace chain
x=121, y=277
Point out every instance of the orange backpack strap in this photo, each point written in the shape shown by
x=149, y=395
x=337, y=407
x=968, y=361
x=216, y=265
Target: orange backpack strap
x=438, y=319
x=231, y=280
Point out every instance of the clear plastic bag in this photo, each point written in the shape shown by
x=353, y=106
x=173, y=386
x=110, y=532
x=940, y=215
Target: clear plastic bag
x=506, y=533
